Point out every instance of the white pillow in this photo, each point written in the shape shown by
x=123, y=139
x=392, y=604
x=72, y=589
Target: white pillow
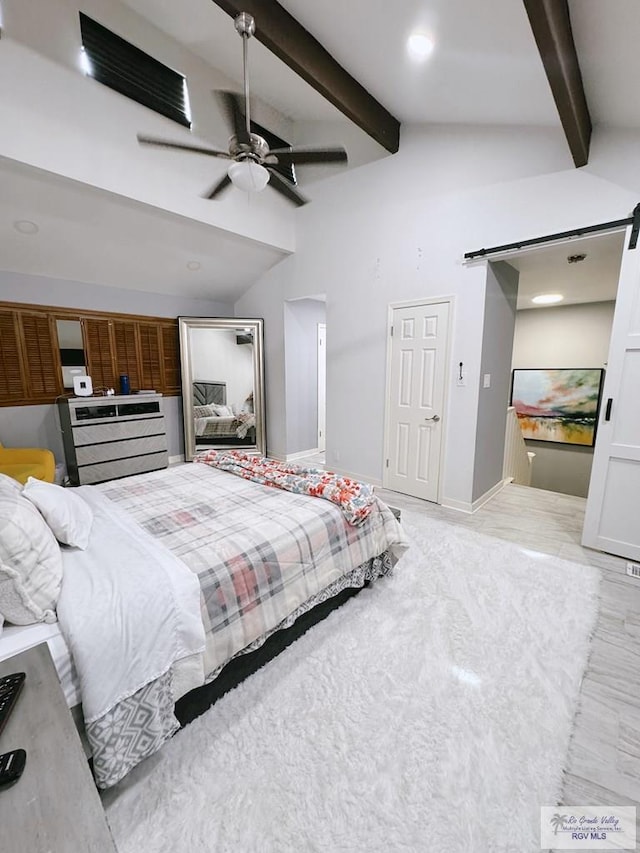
x=30, y=562
x=222, y=411
x=9, y=484
x=68, y=516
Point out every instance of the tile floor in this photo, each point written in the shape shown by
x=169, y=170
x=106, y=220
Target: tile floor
x=603, y=765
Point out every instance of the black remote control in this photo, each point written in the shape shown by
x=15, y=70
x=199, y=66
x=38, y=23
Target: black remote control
x=10, y=687
x=11, y=767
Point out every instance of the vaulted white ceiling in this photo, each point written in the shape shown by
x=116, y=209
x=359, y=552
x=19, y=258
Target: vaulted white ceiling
x=485, y=69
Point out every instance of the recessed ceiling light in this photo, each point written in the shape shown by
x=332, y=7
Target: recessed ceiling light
x=25, y=226
x=547, y=298
x=419, y=46
x=193, y=265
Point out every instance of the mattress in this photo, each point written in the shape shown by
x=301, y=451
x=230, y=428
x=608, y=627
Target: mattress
x=18, y=638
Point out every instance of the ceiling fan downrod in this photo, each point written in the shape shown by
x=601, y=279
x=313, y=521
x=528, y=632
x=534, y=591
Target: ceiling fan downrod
x=245, y=27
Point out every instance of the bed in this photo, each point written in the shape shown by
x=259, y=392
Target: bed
x=188, y=573
x=215, y=422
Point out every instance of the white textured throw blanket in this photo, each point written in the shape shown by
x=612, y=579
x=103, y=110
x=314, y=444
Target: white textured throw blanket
x=431, y=714
x=130, y=613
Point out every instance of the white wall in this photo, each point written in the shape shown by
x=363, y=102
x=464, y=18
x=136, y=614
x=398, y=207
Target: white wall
x=568, y=336
x=497, y=346
x=217, y=357
x=397, y=229
x=90, y=130
x=301, y=320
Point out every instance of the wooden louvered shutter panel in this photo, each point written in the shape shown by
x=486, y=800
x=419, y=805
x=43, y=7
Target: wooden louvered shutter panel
x=171, y=358
x=124, y=336
x=43, y=378
x=12, y=386
x=97, y=344
x=150, y=353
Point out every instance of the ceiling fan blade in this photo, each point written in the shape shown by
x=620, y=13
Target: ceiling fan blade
x=222, y=184
x=182, y=146
x=233, y=108
x=278, y=183
x=300, y=156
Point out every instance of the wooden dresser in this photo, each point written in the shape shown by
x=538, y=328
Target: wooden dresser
x=54, y=807
x=109, y=437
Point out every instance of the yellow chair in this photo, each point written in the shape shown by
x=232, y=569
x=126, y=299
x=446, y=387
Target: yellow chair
x=24, y=462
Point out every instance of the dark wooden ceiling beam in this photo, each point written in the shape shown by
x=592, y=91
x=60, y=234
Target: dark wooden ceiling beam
x=551, y=27
x=289, y=41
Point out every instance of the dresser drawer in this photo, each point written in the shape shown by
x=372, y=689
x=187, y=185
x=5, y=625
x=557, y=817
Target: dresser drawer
x=98, y=433
x=92, y=453
x=122, y=468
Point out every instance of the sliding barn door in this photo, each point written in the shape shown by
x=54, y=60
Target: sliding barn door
x=415, y=403
x=612, y=519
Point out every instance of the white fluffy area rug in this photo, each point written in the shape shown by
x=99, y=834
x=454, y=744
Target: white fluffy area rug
x=431, y=713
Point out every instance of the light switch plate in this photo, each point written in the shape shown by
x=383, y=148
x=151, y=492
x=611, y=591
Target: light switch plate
x=486, y=380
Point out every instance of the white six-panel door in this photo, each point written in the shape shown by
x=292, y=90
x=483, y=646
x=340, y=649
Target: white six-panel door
x=612, y=517
x=415, y=401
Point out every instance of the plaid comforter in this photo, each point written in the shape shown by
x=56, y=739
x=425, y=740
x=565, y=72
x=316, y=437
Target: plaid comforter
x=259, y=553
x=236, y=427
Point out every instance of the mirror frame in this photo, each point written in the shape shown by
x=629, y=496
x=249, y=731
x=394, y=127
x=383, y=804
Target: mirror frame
x=186, y=325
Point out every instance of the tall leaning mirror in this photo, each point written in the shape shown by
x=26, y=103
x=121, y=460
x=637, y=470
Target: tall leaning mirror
x=222, y=362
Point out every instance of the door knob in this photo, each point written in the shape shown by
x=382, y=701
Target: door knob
x=435, y=418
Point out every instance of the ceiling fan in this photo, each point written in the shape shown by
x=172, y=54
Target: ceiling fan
x=254, y=163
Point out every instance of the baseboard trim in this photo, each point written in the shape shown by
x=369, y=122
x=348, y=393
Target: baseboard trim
x=466, y=506
x=460, y=506
x=176, y=460
x=482, y=500
x=291, y=457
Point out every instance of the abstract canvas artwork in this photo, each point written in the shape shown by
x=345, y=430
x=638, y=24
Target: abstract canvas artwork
x=558, y=405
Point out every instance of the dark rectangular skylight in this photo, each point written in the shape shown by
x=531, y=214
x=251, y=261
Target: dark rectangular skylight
x=132, y=72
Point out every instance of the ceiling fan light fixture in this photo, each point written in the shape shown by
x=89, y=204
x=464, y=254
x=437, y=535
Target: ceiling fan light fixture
x=248, y=176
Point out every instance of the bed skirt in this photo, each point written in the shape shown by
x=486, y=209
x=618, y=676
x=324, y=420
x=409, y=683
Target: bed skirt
x=270, y=644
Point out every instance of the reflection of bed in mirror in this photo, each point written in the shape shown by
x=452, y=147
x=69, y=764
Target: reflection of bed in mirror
x=217, y=420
